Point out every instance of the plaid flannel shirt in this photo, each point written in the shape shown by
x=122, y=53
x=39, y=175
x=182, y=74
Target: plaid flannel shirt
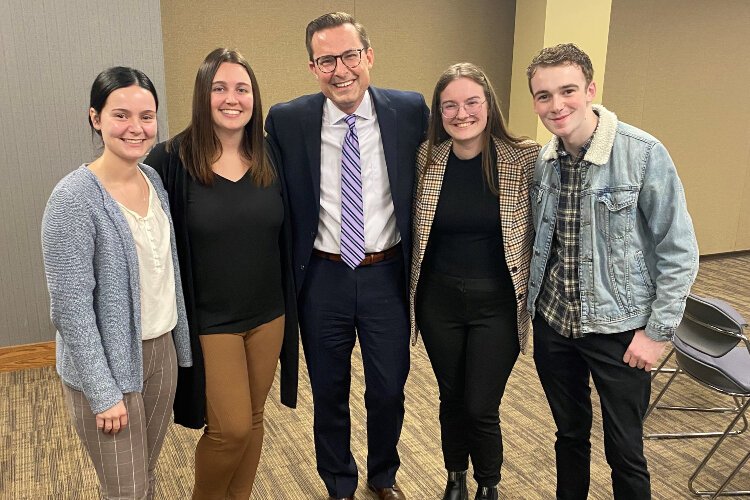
x=560, y=298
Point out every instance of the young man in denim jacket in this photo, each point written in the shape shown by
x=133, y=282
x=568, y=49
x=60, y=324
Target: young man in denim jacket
x=614, y=258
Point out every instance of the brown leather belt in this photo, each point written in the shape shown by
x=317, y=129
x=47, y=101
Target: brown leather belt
x=370, y=258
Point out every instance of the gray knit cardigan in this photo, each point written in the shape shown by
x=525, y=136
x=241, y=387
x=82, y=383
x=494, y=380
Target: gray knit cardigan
x=92, y=275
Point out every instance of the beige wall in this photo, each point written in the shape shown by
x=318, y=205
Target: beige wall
x=414, y=42
x=531, y=18
x=680, y=70
x=676, y=68
x=544, y=23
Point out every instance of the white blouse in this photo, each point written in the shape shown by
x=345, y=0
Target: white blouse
x=155, y=268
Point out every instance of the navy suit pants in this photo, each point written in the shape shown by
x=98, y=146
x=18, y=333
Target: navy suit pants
x=337, y=305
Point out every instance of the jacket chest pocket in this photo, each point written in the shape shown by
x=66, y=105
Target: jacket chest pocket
x=615, y=211
x=539, y=194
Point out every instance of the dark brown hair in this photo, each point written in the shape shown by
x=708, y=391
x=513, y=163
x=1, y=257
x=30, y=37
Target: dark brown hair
x=200, y=147
x=331, y=20
x=112, y=79
x=496, y=126
x=559, y=55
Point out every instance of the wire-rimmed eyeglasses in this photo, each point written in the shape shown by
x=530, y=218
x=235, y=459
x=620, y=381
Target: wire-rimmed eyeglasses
x=472, y=107
x=350, y=58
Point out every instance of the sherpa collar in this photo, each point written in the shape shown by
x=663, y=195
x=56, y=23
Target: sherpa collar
x=601, y=147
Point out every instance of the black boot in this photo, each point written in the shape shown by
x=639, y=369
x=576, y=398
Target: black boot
x=455, y=488
x=487, y=493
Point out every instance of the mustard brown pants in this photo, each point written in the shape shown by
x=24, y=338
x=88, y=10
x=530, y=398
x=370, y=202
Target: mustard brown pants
x=240, y=368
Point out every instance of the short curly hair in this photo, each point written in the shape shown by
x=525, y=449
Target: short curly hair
x=559, y=55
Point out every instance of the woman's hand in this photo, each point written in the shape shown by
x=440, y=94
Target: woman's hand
x=113, y=419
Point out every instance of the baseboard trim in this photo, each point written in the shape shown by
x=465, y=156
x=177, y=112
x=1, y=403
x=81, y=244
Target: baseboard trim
x=722, y=255
x=21, y=357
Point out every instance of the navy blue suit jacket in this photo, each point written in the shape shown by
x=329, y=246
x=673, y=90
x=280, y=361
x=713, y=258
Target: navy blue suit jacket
x=294, y=131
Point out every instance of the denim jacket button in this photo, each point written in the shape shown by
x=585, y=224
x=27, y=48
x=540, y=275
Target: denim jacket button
x=545, y=219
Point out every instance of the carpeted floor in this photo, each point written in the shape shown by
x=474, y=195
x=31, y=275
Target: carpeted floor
x=41, y=457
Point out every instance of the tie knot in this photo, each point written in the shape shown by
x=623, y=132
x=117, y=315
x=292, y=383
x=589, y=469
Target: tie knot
x=351, y=120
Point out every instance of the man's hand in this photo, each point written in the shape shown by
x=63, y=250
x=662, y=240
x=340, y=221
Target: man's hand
x=643, y=352
x=113, y=419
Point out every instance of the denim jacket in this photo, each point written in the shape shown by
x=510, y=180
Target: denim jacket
x=638, y=253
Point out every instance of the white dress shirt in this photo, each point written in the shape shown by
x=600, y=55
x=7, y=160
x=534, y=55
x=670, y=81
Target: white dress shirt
x=380, y=217
x=155, y=268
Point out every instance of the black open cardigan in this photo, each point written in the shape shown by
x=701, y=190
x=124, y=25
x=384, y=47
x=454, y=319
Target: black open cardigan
x=190, y=399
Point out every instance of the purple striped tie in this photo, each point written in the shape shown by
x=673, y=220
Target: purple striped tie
x=352, y=212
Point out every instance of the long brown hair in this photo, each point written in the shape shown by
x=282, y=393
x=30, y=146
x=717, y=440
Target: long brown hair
x=496, y=126
x=200, y=147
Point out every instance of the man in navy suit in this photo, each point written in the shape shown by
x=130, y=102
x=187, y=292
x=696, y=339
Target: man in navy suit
x=351, y=127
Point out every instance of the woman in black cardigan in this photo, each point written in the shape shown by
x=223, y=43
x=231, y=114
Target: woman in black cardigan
x=230, y=218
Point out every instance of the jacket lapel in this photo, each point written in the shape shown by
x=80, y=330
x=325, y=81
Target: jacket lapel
x=312, y=124
x=429, y=185
x=388, y=123
x=509, y=183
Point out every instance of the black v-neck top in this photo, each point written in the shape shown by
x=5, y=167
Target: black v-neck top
x=234, y=230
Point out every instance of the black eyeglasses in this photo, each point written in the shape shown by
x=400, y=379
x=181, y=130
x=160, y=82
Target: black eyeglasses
x=350, y=58
x=472, y=107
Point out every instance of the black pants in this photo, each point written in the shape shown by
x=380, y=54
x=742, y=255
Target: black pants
x=470, y=333
x=564, y=366
x=337, y=306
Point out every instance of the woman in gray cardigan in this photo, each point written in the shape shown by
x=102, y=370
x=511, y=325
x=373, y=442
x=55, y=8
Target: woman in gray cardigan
x=115, y=291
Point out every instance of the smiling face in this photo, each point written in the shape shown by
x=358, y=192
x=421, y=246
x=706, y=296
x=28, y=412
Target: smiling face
x=562, y=99
x=127, y=122
x=466, y=130
x=231, y=98
x=345, y=87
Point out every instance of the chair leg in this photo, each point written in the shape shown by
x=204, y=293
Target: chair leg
x=720, y=491
x=658, y=397
x=680, y=435
x=654, y=404
x=661, y=369
x=738, y=401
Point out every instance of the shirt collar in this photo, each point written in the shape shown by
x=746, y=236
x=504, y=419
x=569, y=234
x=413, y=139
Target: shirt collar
x=364, y=111
x=581, y=152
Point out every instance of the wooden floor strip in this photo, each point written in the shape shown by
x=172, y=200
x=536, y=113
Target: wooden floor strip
x=21, y=357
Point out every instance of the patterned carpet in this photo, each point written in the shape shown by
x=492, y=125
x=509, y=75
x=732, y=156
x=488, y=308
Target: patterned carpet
x=41, y=458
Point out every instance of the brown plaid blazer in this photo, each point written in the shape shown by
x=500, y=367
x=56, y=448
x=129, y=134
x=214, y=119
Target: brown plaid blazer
x=515, y=171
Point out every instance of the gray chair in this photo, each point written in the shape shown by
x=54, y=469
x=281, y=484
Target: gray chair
x=711, y=347
x=695, y=307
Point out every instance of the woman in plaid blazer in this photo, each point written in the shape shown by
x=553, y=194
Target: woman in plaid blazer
x=470, y=267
